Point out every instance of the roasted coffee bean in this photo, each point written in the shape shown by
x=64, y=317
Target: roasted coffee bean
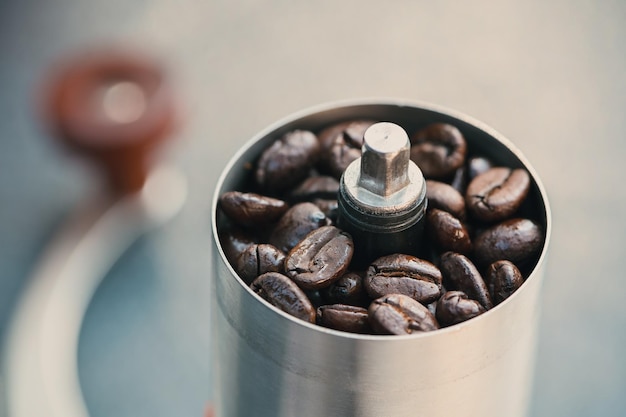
x=459, y=180
x=516, y=240
x=497, y=194
x=342, y=146
x=477, y=165
x=438, y=149
x=352, y=132
x=344, y=317
x=329, y=207
x=455, y=307
x=315, y=296
x=287, y=161
x=432, y=307
x=250, y=209
x=403, y=274
x=400, y=314
x=460, y=274
x=322, y=257
x=503, y=279
x=234, y=241
x=348, y=289
x=283, y=293
x=444, y=197
x=259, y=259
x=318, y=187
x=295, y=224
x=447, y=232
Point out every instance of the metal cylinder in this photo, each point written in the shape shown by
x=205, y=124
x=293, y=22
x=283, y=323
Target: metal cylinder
x=382, y=196
x=269, y=364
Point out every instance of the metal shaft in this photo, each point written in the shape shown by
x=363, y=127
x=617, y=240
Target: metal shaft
x=382, y=196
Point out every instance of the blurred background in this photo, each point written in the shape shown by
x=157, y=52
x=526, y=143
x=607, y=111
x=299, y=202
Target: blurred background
x=549, y=75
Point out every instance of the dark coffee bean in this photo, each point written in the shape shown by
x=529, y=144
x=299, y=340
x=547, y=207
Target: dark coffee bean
x=295, y=224
x=400, y=314
x=432, y=307
x=259, y=259
x=315, y=296
x=444, y=197
x=503, y=279
x=351, y=132
x=343, y=317
x=329, y=207
x=447, y=232
x=348, y=289
x=438, y=149
x=455, y=307
x=287, y=161
x=234, y=241
x=319, y=187
x=460, y=274
x=283, y=293
x=459, y=180
x=497, y=194
x=477, y=165
x=340, y=149
x=341, y=153
x=322, y=257
x=403, y=274
x=250, y=209
x=516, y=240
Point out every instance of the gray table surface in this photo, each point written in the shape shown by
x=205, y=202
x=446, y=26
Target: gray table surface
x=550, y=75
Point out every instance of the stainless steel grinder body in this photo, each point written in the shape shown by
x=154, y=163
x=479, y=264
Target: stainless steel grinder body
x=269, y=364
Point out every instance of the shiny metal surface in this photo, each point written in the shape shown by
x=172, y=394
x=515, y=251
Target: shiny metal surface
x=385, y=159
x=270, y=364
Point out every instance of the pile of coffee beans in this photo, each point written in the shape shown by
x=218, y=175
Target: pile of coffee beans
x=481, y=238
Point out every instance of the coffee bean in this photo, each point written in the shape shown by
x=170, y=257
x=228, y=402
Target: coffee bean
x=517, y=240
x=318, y=187
x=459, y=180
x=400, y=314
x=438, y=149
x=432, y=307
x=477, y=165
x=460, y=274
x=344, y=317
x=234, y=241
x=322, y=257
x=315, y=296
x=455, y=307
x=339, y=157
x=352, y=132
x=497, y=194
x=447, y=232
x=329, y=207
x=283, y=293
x=295, y=224
x=444, y=197
x=250, y=209
x=343, y=150
x=259, y=259
x=348, y=289
x=503, y=279
x=403, y=274
x=287, y=161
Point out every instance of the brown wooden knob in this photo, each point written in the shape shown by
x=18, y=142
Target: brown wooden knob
x=115, y=107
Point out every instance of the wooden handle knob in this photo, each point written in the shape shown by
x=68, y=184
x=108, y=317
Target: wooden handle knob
x=114, y=107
